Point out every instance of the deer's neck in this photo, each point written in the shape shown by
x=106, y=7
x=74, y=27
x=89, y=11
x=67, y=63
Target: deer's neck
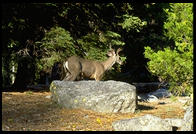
x=109, y=62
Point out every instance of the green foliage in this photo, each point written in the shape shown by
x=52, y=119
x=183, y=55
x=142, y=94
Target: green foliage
x=179, y=24
x=113, y=38
x=96, y=46
x=12, y=43
x=55, y=46
x=175, y=66
x=132, y=23
x=57, y=38
x=92, y=48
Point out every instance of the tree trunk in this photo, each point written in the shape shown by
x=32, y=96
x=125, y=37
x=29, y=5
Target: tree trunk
x=25, y=73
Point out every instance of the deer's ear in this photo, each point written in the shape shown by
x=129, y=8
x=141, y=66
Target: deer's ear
x=109, y=54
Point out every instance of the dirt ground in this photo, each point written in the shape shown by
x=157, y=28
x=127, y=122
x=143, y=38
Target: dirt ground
x=34, y=111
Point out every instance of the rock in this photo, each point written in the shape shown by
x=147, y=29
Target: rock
x=101, y=96
x=147, y=98
x=142, y=97
x=153, y=123
x=174, y=122
x=143, y=123
x=152, y=98
x=147, y=123
x=160, y=93
x=48, y=96
x=188, y=119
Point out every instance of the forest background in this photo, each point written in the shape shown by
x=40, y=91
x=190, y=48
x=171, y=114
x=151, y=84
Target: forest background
x=157, y=41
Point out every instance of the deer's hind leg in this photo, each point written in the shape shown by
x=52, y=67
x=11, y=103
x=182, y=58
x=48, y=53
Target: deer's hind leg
x=70, y=77
x=73, y=68
x=67, y=77
x=73, y=77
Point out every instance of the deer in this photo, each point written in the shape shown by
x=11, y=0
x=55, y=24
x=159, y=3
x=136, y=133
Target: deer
x=77, y=67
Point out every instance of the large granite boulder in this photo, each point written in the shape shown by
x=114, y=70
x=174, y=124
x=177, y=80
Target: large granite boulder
x=101, y=96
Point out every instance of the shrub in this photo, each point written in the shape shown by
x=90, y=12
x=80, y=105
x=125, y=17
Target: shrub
x=175, y=65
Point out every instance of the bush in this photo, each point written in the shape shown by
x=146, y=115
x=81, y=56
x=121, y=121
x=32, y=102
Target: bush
x=175, y=66
x=55, y=46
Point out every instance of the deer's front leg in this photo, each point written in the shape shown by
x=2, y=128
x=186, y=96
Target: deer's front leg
x=98, y=78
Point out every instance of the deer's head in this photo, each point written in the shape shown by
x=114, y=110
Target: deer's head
x=118, y=60
x=111, y=53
